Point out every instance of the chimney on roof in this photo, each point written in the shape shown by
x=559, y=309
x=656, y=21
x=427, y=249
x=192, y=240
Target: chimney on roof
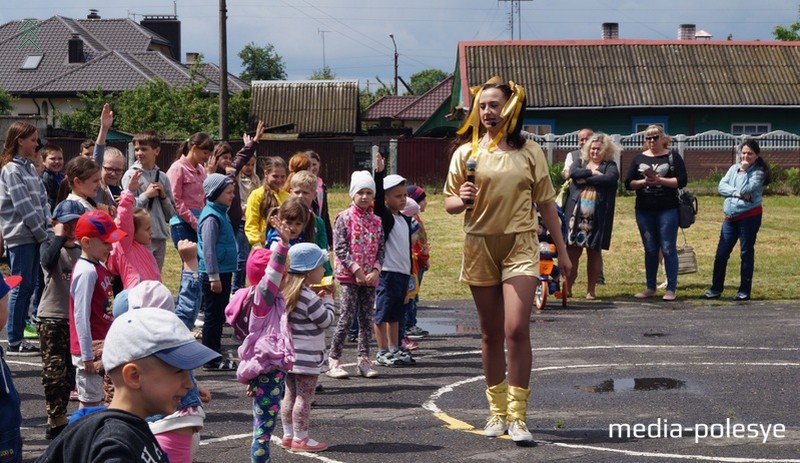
x=610, y=31
x=93, y=14
x=192, y=57
x=75, y=47
x=169, y=27
x=686, y=32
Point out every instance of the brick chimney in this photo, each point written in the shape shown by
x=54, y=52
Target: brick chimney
x=610, y=31
x=686, y=32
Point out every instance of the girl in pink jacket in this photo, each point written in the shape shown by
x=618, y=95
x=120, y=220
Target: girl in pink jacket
x=130, y=258
x=359, y=249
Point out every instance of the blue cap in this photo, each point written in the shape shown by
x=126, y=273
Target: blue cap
x=305, y=257
x=68, y=210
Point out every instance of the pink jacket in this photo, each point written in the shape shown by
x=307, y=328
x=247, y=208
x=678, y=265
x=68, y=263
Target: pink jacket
x=357, y=243
x=187, y=189
x=269, y=344
x=131, y=260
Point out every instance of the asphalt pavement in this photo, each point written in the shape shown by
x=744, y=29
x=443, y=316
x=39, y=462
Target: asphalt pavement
x=621, y=381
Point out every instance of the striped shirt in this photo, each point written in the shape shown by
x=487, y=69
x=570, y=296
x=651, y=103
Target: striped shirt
x=308, y=320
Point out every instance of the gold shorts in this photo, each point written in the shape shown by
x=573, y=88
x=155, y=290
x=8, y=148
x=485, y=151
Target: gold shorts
x=491, y=260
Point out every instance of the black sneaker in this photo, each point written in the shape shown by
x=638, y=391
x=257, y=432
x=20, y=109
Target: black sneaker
x=352, y=337
x=53, y=432
x=403, y=357
x=23, y=349
x=221, y=364
x=415, y=333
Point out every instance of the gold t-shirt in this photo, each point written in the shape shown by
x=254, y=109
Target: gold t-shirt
x=508, y=184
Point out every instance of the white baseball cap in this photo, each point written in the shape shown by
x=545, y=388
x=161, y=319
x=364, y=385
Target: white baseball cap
x=137, y=334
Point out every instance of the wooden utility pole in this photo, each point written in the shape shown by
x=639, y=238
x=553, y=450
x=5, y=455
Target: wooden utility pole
x=223, y=71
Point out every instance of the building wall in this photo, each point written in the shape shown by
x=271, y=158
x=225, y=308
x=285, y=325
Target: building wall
x=685, y=121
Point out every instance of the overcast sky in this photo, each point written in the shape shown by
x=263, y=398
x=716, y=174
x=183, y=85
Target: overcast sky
x=356, y=33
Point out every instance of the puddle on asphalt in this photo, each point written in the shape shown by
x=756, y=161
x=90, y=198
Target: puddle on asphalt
x=634, y=384
x=442, y=326
x=654, y=335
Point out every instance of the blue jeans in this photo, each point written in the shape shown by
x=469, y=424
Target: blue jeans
x=189, y=296
x=659, y=230
x=10, y=437
x=243, y=251
x=182, y=231
x=744, y=231
x=23, y=260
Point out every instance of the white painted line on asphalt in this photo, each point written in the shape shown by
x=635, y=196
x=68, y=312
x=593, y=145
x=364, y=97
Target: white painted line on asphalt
x=274, y=440
x=17, y=362
x=459, y=425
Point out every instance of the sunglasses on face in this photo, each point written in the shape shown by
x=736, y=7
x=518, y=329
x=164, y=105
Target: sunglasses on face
x=652, y=138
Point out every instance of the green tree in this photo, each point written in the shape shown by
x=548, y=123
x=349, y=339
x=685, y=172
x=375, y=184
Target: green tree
x=423, y=81
x=261, y=63
x=326, y=73
x=5, y=101
x=791, y=34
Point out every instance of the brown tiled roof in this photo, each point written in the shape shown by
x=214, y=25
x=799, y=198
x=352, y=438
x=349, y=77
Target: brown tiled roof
x=427, y=103
x=637, y=73
x=118, y=57
x=314, y=107
x=211, y=72
x=387, y=106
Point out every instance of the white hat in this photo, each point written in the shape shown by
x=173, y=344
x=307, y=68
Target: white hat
x=360, y=180
x=411, y=209
x=137, y=334
x=151, y=293
x=392, y=181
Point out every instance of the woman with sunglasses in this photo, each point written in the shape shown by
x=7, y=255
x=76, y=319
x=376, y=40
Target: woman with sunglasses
x=656, y=175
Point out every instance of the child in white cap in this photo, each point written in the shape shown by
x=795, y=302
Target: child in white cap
x=358, y=249
x=148, y=353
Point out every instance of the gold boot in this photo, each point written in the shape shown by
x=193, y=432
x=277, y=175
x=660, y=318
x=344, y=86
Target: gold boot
x=497, y=396
x=517, y=408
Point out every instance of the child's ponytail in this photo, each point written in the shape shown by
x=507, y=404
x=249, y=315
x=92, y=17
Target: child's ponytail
x=78, y=167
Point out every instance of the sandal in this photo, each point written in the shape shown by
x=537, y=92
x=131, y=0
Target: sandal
x=645, y=294
x=222, y=364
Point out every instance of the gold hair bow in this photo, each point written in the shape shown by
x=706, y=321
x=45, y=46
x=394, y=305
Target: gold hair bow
x=510, y=113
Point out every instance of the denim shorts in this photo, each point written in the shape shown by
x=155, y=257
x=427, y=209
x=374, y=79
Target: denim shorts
x=391, y=296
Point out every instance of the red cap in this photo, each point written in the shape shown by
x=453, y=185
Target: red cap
x=98, y=224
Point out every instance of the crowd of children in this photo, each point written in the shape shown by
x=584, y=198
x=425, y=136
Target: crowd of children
x=97, y=233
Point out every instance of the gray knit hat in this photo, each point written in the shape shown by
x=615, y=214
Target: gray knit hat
x=215, y=184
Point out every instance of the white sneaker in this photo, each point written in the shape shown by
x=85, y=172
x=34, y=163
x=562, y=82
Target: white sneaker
x=518, y=431
x=365, y=368
x=335, y=370
x=495, y=426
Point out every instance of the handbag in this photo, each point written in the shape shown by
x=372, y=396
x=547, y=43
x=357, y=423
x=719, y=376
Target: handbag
x=687, y=208
x=687, y=258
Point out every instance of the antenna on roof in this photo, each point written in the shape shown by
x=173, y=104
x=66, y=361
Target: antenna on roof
x=175, y=7
x=131, y=13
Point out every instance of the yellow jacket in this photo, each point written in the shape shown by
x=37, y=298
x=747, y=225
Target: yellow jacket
x=255, y=226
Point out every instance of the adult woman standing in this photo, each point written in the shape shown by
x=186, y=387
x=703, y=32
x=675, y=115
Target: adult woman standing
x=656, y=175
x=742, y=187
x=495, y=179
x=590, y=206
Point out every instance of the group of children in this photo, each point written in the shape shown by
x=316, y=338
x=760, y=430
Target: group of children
x=92, y=224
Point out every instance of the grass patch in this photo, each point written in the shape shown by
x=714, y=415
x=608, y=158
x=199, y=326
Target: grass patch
x=776, y=276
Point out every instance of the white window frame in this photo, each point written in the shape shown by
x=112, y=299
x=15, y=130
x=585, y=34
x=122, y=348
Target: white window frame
x=750, y=128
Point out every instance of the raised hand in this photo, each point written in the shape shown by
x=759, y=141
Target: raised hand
x=135, y=183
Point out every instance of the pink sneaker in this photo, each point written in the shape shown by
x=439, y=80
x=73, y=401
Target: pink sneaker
x=308, y=445
x=409, y=344
x=286, y=443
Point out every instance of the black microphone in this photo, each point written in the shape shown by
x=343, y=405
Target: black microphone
x=471, y=166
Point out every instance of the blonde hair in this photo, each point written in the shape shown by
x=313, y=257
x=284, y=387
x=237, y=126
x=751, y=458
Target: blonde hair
x=608, y=147
x=139, y=213
x=111, y=152
x=304, y=178
x=656, y=130
x=291, y=287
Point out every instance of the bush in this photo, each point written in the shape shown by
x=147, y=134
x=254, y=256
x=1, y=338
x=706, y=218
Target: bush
x=555, y=174
x=793, y=180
